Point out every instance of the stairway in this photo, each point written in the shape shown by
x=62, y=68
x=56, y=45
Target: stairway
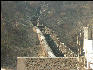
x=60, y=46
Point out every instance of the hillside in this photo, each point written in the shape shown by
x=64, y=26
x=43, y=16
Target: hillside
x=17, y=36
x=17, y=18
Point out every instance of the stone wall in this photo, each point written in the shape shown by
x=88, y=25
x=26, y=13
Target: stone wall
x=46, y=50
x=32, y=63
x=63, y=48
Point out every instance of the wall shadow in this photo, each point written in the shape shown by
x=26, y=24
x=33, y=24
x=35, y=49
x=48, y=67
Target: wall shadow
x=53, y=46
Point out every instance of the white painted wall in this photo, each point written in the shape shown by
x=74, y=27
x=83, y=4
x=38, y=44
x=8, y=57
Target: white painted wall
x=88, y=46
x=3, y=69
x=88, y=49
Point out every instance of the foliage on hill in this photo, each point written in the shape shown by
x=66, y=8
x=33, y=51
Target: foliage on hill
x=17, y=36
x=66, y=18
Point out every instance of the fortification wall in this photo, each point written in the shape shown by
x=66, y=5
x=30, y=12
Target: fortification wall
x=63, y=48
x=46, y=50
x=32, y=63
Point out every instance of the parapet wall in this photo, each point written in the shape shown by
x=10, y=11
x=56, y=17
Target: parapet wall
x=46, y=50
x=63, y=48
x=33, y=63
